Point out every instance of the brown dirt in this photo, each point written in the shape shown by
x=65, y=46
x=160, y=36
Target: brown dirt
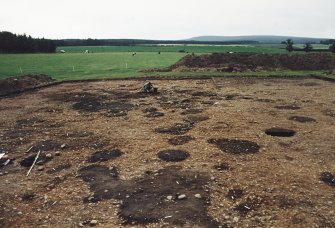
x=255, y=62
x=180, y=140
x=22, y=83
x=285, y=181
x=302, y=119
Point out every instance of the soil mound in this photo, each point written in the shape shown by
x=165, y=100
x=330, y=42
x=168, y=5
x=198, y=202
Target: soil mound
x=252, y=61
x=22, y=83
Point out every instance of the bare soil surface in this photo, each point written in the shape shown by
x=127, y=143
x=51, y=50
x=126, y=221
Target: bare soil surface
x=236, y=62
x=107, y=159
x=22, y=83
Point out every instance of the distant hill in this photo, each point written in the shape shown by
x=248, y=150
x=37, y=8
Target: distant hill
x=260, y=39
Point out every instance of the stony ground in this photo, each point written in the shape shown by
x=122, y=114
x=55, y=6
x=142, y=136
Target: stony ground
x=230, y=152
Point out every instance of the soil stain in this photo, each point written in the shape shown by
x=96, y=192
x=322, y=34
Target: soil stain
x=154, y=114
x=233, y=146
x=46, y=145
x=177, y=129
x=144, y=199
x=287, y=107
x=173, y=155
x=28, y=161
x=328, y=178
x=302, y=119
x=222, y=167
x=234, y=194
x=196, y=119
x=180, y=140
x=280, y=132
x=105, y=155
x=28, y=196
x=247, y=206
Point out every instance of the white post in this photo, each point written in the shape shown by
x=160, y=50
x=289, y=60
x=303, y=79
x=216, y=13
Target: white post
x=126, y=66
x=72, y=68
x=21, y=69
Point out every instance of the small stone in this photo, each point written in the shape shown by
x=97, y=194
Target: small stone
x=48, y=155
x=183, y=196
x=236, y=219
x=19, y=213
x=63, y=146
x=197, y=196
x=1, y=174
x=169, y=197
x=40, y=168
x=57, y=153
x=93, y=222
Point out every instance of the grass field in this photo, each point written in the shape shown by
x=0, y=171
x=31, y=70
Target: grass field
x=173, y=48
x=315, y=46
x=77, y=66
x=115, y=61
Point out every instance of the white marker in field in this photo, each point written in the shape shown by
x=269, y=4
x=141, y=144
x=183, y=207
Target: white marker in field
x=126, y=66
x=21, y=69
x=72, y=68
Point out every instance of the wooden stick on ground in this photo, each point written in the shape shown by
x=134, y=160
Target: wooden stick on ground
x=33, y=163
x=29, y=149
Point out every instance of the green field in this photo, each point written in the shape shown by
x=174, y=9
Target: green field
x=173, y=48
x=77, y=66
x=315, y=46
x=114, y=61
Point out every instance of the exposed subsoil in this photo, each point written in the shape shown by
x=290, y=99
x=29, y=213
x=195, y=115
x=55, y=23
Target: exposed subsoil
x=102, y=143
x=236, y=62
x=19, y=84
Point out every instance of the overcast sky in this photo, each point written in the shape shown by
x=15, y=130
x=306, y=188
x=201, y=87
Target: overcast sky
x=167, y=19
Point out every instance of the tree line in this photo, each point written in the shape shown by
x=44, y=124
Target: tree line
x=12, y=43
x=132, y=42
x=308, y=46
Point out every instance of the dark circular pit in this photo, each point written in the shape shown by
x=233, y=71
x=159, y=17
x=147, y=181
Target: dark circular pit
x=233, y=146
x=173, y=155
x=280, y=132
